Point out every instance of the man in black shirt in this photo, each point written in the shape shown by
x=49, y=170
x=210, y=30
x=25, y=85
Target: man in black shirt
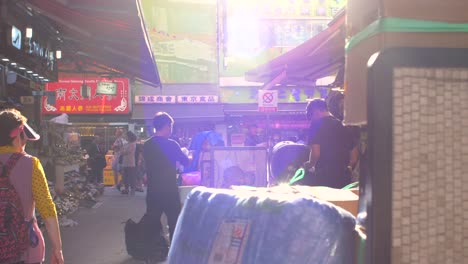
x=161, y=154
x=331, y=147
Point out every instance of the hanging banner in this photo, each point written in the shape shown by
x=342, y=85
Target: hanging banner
x=88, y=96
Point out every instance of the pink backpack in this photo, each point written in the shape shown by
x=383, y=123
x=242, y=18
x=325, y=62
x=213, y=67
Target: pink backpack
x=13, y=226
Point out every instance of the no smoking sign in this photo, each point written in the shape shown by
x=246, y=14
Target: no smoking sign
x=267, y=100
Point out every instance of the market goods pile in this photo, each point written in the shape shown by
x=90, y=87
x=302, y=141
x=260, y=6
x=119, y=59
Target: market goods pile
x=77, y=192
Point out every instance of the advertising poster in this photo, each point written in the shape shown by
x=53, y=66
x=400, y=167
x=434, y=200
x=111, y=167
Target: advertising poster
x=255, y=32
x=183, y=35
x=88, y=96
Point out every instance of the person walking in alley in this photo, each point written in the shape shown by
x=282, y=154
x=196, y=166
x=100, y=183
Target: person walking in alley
x=129, y=164
x=161, y=155
x=97, y=160
x=117, y=161
x=331, y=148
x=23, y=180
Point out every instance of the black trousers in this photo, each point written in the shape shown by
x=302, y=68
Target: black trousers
x=168, y=203
x=129, y=177
x=331, y=177
x=96, y=175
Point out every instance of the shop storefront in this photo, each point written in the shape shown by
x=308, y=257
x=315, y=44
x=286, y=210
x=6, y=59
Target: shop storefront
x=287, y=122
x=28, y=60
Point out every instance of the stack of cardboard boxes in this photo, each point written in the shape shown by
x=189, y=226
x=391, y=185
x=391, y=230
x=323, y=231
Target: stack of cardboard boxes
x=412, y=25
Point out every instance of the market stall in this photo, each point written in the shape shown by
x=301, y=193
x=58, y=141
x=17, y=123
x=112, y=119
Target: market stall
x=61, y=153
x=66, y=170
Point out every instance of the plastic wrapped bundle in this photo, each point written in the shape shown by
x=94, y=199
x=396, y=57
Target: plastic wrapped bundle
x=260, y=225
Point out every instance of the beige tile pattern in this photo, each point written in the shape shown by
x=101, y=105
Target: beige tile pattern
x=430, y=167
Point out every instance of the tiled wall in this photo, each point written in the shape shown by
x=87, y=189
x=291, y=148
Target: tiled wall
x=430, y=168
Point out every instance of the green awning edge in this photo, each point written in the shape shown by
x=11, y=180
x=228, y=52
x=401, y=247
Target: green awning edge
x=394, y=24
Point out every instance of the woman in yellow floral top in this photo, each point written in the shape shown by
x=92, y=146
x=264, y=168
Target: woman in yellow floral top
x=29, y=181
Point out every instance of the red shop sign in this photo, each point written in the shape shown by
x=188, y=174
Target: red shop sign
x=94, y=96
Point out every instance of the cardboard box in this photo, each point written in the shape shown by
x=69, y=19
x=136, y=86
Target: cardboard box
x=344, y=199
x=357, y=59
x=361, y=13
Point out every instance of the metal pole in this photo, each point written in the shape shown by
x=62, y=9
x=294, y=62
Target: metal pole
x=267, y=132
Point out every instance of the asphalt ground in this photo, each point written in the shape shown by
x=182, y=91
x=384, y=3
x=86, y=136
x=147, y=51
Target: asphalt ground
x=98, y=238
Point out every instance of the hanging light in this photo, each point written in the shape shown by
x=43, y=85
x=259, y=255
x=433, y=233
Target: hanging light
x=58, y=54
x=29, y=32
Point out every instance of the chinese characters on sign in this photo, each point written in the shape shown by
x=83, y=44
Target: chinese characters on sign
x=78, y=96
x=181, y=99
x=197, y=99
x=155, y=99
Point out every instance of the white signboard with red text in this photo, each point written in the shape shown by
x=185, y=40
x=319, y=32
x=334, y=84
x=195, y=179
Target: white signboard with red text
x=267, y=100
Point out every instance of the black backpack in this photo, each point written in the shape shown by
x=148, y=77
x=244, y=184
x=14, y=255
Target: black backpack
x=144, y=240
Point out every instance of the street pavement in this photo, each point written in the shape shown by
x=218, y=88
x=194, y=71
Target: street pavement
x=99, y=236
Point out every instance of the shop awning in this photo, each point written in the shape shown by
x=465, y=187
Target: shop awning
x=321, y=56
x=109, y=35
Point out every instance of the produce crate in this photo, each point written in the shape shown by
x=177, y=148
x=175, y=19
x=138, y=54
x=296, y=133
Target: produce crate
x=109, y=177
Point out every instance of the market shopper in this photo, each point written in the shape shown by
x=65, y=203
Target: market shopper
x=116, y=162
x=161, y=155
x=253, y=139
x=331, y=147
x=96, y=161
x=30, y=184
x=129, y=164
